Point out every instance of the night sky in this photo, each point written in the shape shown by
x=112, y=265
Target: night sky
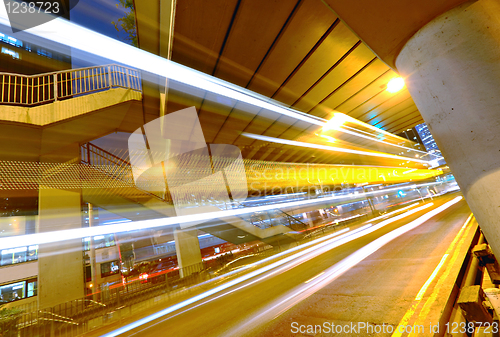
x=96, y=15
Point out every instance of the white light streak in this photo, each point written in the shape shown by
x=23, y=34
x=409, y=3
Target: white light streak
x=329, y=148
x=413, y=170
x=315, y=277
x=305, y=290
x=69, y=34
x=80, y=233
x=291, y=261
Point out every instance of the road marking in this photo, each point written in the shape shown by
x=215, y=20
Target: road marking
x=422, y=291
x=425, y=310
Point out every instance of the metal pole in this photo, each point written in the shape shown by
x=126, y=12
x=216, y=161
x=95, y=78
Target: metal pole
x=55, y=87
x=421, y=197
x=109, y=76
x=88, y=154
x=128, y=77
x=370, y=203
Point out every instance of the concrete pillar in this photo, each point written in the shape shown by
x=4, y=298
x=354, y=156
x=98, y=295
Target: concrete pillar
x=452, y=69
x=188, y=251
x=60, y=266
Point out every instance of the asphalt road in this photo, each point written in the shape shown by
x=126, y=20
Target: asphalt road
x=375, y=285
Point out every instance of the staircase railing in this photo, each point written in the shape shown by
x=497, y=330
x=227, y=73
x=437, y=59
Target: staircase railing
x=111, y=164
x=93, y=155
x=29, y=90
x=121, y=169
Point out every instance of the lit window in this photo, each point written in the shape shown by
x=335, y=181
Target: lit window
x=44, y=52
x=110, y=268
x=15, y=55
x=12, y=292
x=18, y=255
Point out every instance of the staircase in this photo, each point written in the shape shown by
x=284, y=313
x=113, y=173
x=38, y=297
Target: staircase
x=274, y=227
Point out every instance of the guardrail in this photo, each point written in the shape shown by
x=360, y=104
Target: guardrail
x=30, y=90
x=112, y=165
x=93, y=155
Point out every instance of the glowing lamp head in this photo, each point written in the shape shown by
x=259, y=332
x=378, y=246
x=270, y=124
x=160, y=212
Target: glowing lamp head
x=395, y=84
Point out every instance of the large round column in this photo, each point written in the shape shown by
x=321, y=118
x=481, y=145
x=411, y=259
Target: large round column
x=452, y=70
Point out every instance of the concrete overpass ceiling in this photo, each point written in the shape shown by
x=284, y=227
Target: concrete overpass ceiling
x=386, y=28
x=296, y=52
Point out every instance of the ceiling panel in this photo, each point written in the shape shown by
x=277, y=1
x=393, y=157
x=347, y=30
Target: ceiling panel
x=401, y=123
x=296, y=52
x=366, y=97
x=330, y=51
x=249, y=40
x=375, y=108
x=382, y=114
x=397, y=109
x=354, y=85
x=393, y=118
x=200, y=29
x=354, y=62
x=305, y=29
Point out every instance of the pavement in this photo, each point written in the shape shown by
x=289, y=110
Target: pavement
x=359, y=283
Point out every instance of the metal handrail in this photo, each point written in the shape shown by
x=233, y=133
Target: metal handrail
x=30, y=90
x=112, y=165
x=94, y=155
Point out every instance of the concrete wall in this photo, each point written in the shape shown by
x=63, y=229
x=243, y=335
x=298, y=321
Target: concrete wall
x=60, y=276
x=20, y=271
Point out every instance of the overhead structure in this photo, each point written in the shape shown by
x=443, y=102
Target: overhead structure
x=304, y=57
x=448, y=53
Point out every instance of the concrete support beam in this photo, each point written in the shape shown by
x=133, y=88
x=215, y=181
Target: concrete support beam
x=60, y=265
x=471, y=301
x=485, y=255
x=188, y=251
x=155, y=34
x=452, y=72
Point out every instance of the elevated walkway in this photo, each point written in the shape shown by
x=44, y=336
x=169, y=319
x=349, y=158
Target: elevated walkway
x=110, y=185
x=45, y=113
x=48, y=115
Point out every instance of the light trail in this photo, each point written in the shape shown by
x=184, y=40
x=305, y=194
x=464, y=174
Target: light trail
x=357, y=134
x=69, y=34
x=330, y=148
x=285, y=264
x=303, y=291
x=80, y=233
x=406, y=172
